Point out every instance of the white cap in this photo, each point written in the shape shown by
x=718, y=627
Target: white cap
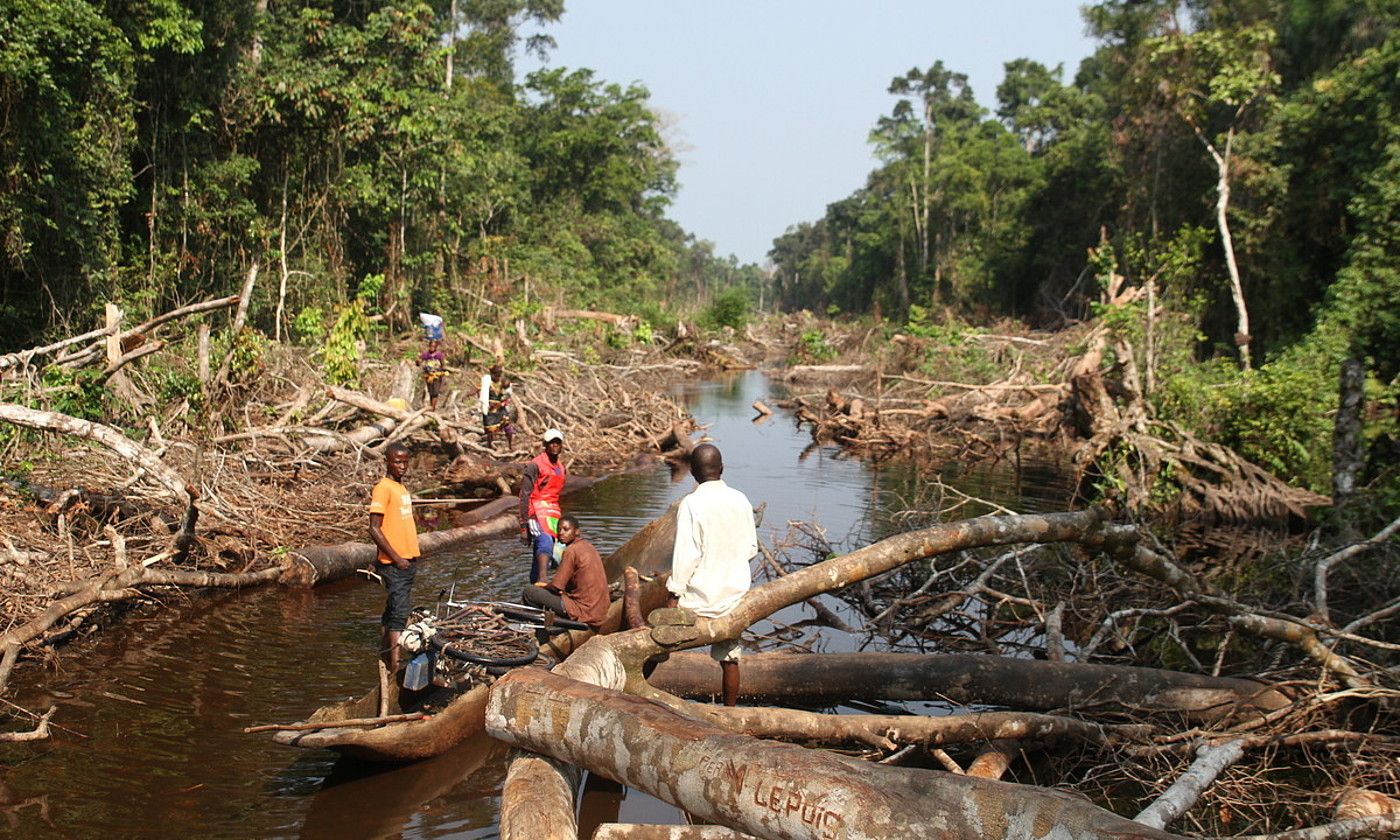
x=553, y=434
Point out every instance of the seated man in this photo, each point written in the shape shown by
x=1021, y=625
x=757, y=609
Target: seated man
x=715, y=540
x=579, y=589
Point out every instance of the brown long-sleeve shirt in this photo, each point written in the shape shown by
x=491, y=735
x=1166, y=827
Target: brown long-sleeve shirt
x=583, y=583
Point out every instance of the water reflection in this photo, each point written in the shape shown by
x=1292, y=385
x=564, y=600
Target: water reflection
x=472, y=772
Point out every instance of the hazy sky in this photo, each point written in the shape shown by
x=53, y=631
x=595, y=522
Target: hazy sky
x=772, y=100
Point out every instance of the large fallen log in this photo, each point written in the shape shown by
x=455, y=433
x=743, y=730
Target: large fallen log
x=107, y=436
x=314, y=565
x=769, y=789
x=632, y=831
x=824, y=679
x=888, y=732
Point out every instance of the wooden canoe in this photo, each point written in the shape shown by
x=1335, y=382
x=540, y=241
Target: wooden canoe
x=456, y=715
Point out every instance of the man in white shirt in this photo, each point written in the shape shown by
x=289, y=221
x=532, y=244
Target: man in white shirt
x=715, y=540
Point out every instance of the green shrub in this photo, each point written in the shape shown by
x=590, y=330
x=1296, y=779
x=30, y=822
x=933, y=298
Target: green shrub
x=655, y=316
x=175, y=385
x=78, y=393
x=1281, y=420
x=341, y=361
x=1278, y=416
x=519, y=307
x=812, y=348
x=249, y=355
x=309, y=326
x=950, y=334
x=369, y=290
x=730, y=308
x=616, y=339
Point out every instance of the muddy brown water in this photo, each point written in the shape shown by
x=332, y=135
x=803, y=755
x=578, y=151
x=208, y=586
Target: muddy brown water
x=151, y=712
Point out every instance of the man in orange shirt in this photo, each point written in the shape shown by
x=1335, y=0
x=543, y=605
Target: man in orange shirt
x=392, y=529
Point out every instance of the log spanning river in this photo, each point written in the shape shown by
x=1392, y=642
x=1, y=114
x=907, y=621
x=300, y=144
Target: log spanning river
x=149, y=740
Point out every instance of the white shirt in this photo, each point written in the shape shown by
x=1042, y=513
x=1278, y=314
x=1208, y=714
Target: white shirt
x=483, y=400
x=715, y=539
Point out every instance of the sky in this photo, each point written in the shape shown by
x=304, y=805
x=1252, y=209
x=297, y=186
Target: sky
x=771, y=101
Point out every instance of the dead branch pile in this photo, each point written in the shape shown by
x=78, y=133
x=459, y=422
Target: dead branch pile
x=1056, y=392
x=1059, y=695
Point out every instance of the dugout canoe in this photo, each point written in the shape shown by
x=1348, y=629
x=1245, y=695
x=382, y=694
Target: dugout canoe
x=456, y=715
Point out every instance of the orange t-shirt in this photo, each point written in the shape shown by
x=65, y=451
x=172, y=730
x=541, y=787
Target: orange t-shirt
x=391, y=499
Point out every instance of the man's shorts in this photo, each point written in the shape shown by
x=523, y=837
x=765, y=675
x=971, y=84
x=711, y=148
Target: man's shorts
x=726, y=651
x=544, y=543
x=399, y=582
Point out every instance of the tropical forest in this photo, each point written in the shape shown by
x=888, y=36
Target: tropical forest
x=1072, y=436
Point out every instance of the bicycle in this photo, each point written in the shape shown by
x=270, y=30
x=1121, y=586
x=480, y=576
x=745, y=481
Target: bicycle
x=479, y=637
x=494, y=634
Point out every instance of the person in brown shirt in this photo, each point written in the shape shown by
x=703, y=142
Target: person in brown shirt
x=579, y=589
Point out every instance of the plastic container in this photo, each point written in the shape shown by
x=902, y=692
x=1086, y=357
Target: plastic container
x=418, y=673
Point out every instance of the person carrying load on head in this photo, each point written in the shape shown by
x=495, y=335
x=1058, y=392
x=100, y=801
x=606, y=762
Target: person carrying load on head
x=434, y=364
x=433, y=361
x=496, y=403
x=540, y=487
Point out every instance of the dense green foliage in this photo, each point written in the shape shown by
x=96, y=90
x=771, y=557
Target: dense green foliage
x=155, y=149
x=1287, y=104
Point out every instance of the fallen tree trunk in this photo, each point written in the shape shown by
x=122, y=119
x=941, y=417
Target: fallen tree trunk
x=892, y=552
x=621, y=322
x=411, y=419
x=888, y=732
x=823, y=679
x=1385, y=825
x=537, y=799
x=319, y=564
x=306, y=727
x=624, y=831
x=817, y=371
x=40, y=732
x=774, y=790
x=1185, y=791
x=110, y=438
x=1125, y=548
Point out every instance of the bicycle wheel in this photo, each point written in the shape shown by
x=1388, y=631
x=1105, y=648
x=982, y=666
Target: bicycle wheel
x=487, y=647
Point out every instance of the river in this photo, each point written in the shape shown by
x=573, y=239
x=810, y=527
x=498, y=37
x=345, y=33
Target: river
x=149, y=741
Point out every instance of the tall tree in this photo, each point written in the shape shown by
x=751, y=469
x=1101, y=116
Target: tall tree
x=931, y=104
x=1209, y=79
x=67, y=126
